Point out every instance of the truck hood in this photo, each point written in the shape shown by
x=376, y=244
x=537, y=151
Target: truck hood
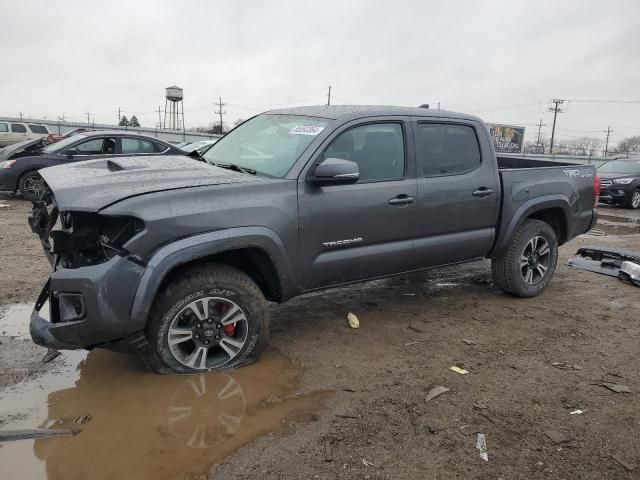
x=94, y=184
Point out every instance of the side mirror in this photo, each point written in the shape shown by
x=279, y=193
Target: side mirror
x=334, y=171
x=70, y=153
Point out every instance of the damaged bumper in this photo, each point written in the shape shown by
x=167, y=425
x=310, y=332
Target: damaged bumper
x=88, y=306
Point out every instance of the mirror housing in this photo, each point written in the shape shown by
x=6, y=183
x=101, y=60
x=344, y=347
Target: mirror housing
x=334, y=171
x=70, y=153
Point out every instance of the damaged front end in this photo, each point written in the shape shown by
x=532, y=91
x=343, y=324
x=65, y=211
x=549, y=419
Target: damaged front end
x=615, y=262
x=79, y=239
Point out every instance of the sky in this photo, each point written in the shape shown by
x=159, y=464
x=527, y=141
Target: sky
x=500, y=60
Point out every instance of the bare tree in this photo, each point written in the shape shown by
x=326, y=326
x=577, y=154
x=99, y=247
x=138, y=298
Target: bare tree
x=629, y=144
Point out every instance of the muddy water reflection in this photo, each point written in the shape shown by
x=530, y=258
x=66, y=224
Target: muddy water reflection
x=149, y=426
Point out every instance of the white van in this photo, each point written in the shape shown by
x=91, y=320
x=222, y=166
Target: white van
x=14, y=132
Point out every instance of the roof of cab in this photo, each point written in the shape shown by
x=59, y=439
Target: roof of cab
x=349, y=112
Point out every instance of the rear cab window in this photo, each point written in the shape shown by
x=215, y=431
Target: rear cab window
x=447, y=149
x=4, y=127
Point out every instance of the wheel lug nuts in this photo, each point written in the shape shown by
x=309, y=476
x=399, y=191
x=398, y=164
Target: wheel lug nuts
x=210, y=321
x=199, y=325
x=197, y=336
x=206, y=342
x=217, y=337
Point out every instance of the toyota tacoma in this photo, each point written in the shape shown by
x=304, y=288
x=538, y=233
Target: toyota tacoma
x=177, y=259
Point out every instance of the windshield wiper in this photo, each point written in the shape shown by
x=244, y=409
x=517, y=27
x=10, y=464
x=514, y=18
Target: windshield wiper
x=237, y=168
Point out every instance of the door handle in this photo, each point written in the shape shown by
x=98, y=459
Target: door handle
x=402, y=199
x=482, y=192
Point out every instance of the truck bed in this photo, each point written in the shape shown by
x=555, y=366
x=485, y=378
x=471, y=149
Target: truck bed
x=511, y=162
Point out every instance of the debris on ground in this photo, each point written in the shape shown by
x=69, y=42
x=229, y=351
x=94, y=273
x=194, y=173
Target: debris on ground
x=408, y=344
x=416, y=329
x=50, y=355
x=328, y=449
x=468, y=342
x=558, y=436
x=615, y=262
x=479, y=405
x=459, y=370
x=566, y=366
x=353, y=320
x=622, y=462
x=576, y=412
x=436, y=391
x=481, y=444
x=409, y=294
x=4, y=205
x=614, y=387
x=13, y=435
x=367, y=463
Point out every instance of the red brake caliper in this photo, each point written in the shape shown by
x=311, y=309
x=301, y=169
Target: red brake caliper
x=229, y=329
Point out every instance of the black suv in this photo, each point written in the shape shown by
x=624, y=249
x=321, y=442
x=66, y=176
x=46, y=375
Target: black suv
x=620, y=182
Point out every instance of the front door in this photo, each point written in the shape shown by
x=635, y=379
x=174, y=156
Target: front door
x=363, y=230
x=458, y=192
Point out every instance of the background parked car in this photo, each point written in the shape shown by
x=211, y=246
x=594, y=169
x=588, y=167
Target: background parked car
x=14, y=132
x=27, y=148
x=198, y=147
x=620, y=182
x=56, y=138
x=21, y=174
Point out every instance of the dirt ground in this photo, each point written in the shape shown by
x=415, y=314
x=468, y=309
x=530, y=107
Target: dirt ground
x=531, y=362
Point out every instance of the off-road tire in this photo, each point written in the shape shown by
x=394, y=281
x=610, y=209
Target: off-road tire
x=23, y=187
x=506, y=270
x=217, y=280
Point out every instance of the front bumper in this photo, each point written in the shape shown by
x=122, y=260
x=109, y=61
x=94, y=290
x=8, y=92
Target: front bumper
x=615, y=193
x=107, y=291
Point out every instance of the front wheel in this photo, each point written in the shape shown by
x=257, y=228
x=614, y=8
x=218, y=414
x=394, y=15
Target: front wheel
x=211, y=318
x=32, y=185
x=634, y=201
x=525, y=268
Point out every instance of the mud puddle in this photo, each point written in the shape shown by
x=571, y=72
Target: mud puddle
x=14, y=319
x=133, y=424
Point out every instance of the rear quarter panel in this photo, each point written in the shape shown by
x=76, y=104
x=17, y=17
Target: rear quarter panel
x=568, y=188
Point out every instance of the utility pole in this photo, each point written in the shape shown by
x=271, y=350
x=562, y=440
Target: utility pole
x=555, y=109
x=540, y=125
x=329, y=96
x=119, y=117
x=20, y=116
x=221, y=112
x=606, y=143
x=88, y=117
x=160, y=119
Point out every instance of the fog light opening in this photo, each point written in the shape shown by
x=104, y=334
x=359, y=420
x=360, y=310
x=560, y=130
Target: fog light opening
x=71, y=306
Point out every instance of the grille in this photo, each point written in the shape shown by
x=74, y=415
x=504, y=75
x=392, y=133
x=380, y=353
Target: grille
x=605, y=183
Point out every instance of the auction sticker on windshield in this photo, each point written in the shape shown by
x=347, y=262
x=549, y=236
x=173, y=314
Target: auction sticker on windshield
x=306, y=130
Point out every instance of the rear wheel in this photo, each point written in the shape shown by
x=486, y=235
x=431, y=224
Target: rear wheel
x=525, y=268
x=634, y=201
x=210, y=319
x=32, y=185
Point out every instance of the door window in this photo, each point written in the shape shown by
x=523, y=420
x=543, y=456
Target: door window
x=18, y=128
x=96, y=146
x=4, y=128
x=137, y=145
x=445, y=149
x=378, y=149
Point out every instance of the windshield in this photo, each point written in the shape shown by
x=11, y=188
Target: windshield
x=62, y=144
x=268, y=144
x=621, y=166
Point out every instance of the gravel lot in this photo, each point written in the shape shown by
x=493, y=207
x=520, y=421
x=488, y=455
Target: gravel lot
x=531, y=362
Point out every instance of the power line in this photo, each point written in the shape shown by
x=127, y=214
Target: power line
x=555, y=109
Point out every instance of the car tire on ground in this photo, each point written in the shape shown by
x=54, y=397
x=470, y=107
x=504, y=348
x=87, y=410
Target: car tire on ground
x=211, y=318
x=634, y=201
x=32, y=185
x=526, y=266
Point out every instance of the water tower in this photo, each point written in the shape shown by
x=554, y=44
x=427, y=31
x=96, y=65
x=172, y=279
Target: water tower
x=173, y=100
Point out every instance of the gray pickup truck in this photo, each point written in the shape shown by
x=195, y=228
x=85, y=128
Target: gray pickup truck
x=176, y=258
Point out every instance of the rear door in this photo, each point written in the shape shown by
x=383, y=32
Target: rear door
x=458, y=191
x=141, y=146
x=93, y=147
x=5, y=134
x=363, y=230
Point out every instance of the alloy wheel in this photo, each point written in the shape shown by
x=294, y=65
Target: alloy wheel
x=207, y=333
x=535, y=260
